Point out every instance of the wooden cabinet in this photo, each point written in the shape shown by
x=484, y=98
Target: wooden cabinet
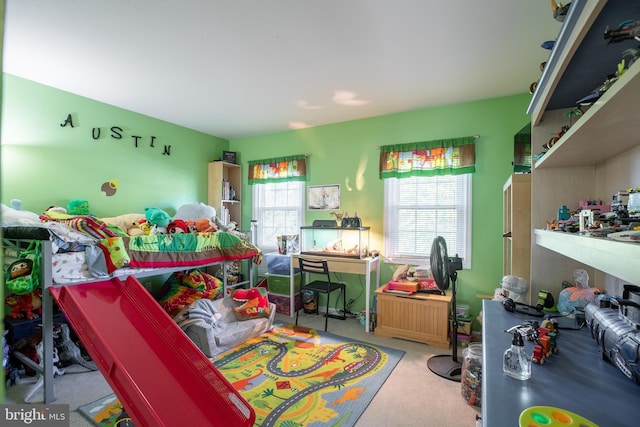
x=419, y=317
x=225, y=191
x=516, y=205
x=599, y=154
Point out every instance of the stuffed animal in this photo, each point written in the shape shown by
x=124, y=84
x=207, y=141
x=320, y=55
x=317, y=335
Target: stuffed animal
x=194, y=211
x=28, y=305
x=191, y=225
x=177, y=226
x=127, y=222
x=157, y=217
x=144, y=226
x=204, y=225
x=78, y=207
x=256, y=303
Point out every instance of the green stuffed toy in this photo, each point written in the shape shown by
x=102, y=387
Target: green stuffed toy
x=78, y=207
x=157, y=217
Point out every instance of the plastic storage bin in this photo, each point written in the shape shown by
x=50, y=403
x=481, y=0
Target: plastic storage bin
x=281, y=284
x=278, y=263
x=283, y=303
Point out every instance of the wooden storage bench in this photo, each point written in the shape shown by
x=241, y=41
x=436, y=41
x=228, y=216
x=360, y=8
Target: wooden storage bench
x=419, y=317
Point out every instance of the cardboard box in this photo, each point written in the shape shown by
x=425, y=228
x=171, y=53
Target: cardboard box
x=281, y=284
x=282, y=302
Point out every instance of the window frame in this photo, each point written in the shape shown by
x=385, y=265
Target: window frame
x=392, y=227
x=259, y=210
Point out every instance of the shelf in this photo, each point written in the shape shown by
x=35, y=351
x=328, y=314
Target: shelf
x=580, y=18
x=610, y=127
x=616, y=258
x=227, y=209
x=581, y=58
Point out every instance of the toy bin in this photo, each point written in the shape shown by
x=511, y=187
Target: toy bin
x=278, y=263
x=283, y=303
x=281, y=284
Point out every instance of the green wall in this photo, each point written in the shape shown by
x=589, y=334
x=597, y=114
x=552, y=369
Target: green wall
x=44, y=163
x=347, y=154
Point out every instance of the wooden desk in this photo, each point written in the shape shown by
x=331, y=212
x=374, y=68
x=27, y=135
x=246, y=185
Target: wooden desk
x=364, y=266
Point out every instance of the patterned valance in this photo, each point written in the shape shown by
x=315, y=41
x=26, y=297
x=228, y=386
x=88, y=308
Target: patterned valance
x=429, y=158
x=290, y=168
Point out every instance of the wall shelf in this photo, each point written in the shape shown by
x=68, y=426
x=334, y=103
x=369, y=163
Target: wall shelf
x=616, y=258
x=610, y=127
x=598, y=155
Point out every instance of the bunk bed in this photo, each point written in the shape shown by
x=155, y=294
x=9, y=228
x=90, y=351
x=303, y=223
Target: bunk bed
x=138, y=257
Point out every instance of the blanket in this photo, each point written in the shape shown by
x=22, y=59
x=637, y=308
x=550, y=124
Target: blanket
x=188, y=249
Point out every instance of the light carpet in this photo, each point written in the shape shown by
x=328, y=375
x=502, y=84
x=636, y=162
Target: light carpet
x=293, y=376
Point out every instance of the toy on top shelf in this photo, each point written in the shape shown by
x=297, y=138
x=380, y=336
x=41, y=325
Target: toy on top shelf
x=559, y=10
x=627, y=30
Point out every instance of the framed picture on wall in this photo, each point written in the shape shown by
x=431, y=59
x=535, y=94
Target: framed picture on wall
x=323, y=197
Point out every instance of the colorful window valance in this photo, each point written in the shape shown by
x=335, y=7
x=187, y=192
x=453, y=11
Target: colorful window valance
x=290, y=168
x=429, y=158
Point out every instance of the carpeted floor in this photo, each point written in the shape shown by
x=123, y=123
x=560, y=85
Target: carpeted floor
x=294, y=376
x=412, y=396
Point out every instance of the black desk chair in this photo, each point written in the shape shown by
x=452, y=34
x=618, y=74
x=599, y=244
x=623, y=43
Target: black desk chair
x=321, y=286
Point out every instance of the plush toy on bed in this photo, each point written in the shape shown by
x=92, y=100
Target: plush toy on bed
x=78, y=207
x=128, y=223
x=177, y=226
x=204, y=225
x=158, y=218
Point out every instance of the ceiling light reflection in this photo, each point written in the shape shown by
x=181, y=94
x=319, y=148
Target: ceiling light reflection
x=298, y=125
x=301, y=103
x=345, y=97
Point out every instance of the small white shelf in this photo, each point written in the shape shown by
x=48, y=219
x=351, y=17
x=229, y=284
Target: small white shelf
x=619, y=259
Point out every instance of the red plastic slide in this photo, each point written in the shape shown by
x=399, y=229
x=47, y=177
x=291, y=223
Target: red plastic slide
x=159, y=375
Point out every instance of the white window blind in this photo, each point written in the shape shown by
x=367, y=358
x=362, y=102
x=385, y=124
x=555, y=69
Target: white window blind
x=279, y=209
x=418, y=209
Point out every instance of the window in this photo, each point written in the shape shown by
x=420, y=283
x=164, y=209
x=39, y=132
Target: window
x=419, y=208
x=279, y=209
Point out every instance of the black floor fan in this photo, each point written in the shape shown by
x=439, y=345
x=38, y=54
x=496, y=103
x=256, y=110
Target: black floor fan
x=445, y=270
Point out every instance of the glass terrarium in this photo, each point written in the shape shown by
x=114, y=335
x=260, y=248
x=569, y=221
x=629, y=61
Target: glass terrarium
x=349, y=242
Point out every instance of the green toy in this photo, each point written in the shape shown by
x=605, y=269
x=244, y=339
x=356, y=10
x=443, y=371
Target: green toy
x=78, y=207
x=157, y=217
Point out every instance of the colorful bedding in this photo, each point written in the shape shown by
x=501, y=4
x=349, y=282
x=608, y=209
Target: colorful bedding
x=84, y=247
x=188, y=249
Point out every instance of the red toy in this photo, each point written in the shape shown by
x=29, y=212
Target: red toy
x=28, y=305
x=177, y=226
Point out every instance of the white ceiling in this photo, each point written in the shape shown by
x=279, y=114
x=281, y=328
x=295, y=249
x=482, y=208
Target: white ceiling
x=237, y=68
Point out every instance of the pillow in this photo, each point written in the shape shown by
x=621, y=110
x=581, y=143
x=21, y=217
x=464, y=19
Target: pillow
x=11, y=216
x=256, y=303
x=181, y=289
